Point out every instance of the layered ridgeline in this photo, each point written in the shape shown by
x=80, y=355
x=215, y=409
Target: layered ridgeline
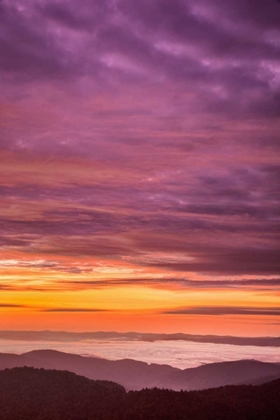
x=135, y=375
x=28, y=393
x=70, y=336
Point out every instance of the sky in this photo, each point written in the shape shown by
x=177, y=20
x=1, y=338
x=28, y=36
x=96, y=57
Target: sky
x=139, y=166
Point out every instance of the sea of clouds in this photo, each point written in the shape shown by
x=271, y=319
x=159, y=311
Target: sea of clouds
x=181, y=354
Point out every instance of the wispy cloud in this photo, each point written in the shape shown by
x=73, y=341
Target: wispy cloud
x=224, y=310
x=255, y=284
x=11, y=305
x=62, y=309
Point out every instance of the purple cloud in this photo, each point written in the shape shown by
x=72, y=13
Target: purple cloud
x=218, y=50
x=144, y=133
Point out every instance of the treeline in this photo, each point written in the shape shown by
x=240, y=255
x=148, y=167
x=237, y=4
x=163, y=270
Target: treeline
x=37, y=394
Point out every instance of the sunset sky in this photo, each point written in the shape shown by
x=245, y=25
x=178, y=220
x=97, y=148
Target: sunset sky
x=139, y=166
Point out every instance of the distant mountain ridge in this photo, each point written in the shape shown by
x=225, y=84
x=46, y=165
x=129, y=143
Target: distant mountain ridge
x=135, y=375
x=28, y=393
x=220, y=374
x=64, y=336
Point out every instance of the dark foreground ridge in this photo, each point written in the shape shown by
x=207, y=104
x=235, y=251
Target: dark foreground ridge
x=135, y=375
x=38, y=394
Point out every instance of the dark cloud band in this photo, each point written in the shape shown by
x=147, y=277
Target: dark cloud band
x=223, y=310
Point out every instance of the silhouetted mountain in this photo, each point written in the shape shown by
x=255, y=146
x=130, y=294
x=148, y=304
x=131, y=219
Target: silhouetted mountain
x=27, y=393
x=131, y=374
x=37, y=394
x=10, y=360
x=135, y=375
x=220, y=374
x=66, y=336
x=225, y=403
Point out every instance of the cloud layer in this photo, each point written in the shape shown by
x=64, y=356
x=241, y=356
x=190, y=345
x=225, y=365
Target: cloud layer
x=139, y=146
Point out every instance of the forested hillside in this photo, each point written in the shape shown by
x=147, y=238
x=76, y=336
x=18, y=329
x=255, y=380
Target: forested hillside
x=38, y=394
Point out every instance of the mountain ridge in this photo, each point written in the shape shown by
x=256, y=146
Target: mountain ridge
x=136, y=375
x=64, y=336
x=29, y=393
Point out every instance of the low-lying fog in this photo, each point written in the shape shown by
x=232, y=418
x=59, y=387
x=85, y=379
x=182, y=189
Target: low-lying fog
x=181, y=354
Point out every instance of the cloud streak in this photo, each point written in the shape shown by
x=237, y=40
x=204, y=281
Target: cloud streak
x=73, y=310
x=224, y=310
x=11, y=305
x=252, y=284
